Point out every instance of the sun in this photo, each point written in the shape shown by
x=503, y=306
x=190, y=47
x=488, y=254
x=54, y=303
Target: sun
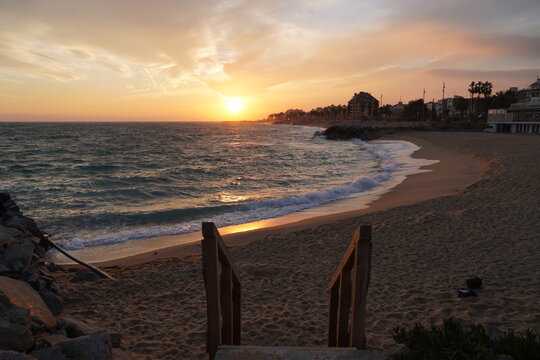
x=235, y=105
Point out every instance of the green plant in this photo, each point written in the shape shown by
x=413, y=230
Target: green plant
x=453, y=341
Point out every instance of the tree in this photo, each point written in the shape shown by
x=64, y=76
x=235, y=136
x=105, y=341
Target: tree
x=461, y=105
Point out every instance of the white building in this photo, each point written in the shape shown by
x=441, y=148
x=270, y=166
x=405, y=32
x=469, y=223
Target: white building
x=521, y=117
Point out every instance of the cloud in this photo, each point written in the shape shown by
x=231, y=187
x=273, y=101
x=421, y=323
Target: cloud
x=258, y=47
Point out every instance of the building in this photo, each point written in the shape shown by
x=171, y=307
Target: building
x=447, y=106
x=362, y=106
x=521, y=117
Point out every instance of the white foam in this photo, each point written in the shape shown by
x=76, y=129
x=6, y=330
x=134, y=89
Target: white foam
x=394, y=164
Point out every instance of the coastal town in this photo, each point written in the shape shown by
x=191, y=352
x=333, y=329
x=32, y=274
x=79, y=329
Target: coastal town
x=513, y=110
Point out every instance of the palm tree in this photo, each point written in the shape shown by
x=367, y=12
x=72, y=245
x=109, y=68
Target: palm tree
x=472, y=89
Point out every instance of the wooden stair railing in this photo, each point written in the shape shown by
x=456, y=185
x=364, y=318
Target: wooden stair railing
x=222, y=285
x=348, y=292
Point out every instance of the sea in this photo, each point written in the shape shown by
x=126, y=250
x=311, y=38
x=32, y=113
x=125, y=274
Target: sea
x=92, y=184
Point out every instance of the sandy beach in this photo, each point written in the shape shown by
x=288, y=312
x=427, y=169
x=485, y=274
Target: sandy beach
x=475, y=214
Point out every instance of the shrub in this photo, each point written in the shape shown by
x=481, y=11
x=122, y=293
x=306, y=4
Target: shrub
x=453, y=341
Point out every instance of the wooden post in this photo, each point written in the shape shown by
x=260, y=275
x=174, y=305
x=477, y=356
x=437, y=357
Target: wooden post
x=344, y=308
x=361, y=275
x=222, y=291
x=348, y=291
x=226, y=305
x=210, y=272
x=237, y=316
x=334, y=306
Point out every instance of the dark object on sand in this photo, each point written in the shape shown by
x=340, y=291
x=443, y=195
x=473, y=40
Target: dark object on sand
x=465, y=293
x=474, y=283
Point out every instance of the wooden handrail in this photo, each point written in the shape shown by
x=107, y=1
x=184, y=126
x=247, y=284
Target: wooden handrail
x=348, y=292
x=223, y=290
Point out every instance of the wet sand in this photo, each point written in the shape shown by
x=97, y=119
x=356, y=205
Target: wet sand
x=476, y=214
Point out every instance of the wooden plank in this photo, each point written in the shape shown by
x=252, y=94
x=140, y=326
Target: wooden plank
x=211, y=282
x=344, y=308
x=346, y=257
x=361, y=276
x=332, y=324
x=226, y=305
x=237, y=316
x=209, y=230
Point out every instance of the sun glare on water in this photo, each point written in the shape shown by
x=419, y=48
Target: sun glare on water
x=235, y=105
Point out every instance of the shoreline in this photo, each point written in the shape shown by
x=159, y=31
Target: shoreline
x=422, y=253
x=453, y=173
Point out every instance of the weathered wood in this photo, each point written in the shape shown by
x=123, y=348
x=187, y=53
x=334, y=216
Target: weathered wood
x=91, y=267
x=226, y=305
x=211, y=281
x=237, y=316
x=359, y=294
x=222, y=291
x=346, y=258
x=344, y=308
x=334, y=306
x=209, y=230
x=348, y=293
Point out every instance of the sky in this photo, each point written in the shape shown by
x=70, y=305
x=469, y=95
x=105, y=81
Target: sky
x=63, y=60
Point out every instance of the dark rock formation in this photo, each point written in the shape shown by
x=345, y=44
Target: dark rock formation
x=31, y=300
x=347, y=132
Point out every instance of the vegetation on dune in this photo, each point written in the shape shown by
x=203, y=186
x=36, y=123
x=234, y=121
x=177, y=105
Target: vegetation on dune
x=453, y=341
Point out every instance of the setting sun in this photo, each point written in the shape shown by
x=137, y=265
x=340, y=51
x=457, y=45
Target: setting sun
x=235, y=105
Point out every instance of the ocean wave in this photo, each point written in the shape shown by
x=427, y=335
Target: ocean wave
x=393, y=159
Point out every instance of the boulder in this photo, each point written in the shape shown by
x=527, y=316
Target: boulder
x=20, y=252
x=16, y=223
x=83, y=275
x=22, y=294
x=4, y=196
x=19, y=315
x=15, y=336
x=74, y=327
x=49, y=353
x=53, y=301
x=7, y=236
x=95, y=346
x=12, y=355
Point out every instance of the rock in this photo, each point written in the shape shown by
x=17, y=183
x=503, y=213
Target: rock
x=346, y=132
x=15, y=336
x=402, y=352
x=474, y=283
x=16, y=223
x=116, y=340
x=505, y=357
x=4, y=270
x=7, y=236
x=95, y=346
x=4, y=196
x=82, y=275
x=118, y=354
x=52, y=267
x=19, y=315
x=74, y=327
x=53, y=301
x=21, y=252
x=49, y=353
x=21, y=294
x=11, y=205
x=51, y=339
x=12, y=355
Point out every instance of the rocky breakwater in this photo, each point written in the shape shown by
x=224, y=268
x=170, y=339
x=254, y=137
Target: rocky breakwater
x=31, y=322
x=347, y=132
